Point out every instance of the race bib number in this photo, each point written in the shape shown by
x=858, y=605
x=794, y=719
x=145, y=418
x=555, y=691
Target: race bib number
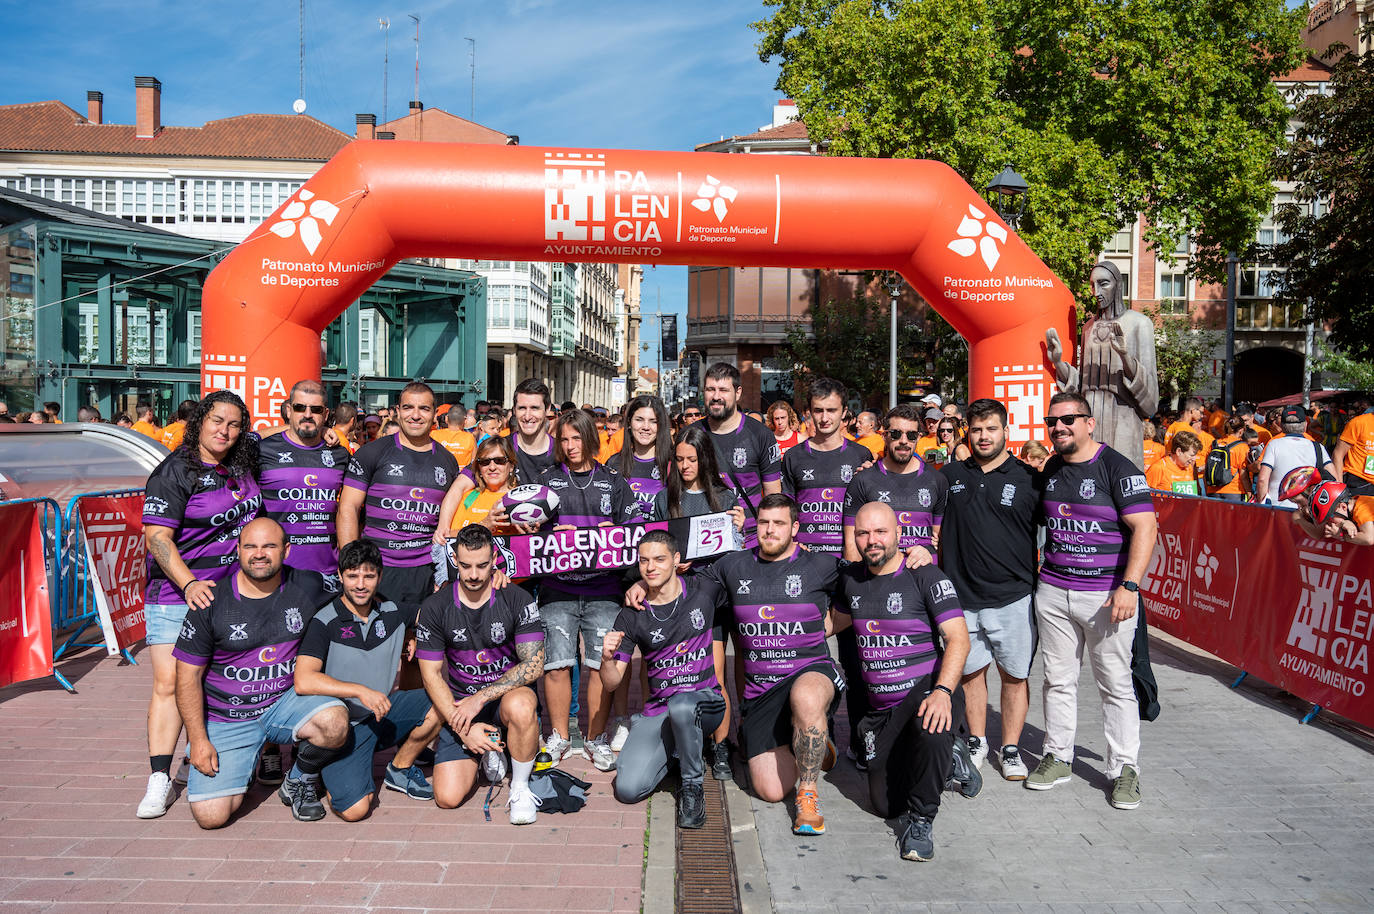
x=1369, y=465
x=1185, y=487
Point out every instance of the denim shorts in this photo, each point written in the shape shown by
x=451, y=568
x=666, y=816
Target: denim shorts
x=349, y=777
x=163, y=622
x=1006, y=634
x=564, y=619
x=238, y=743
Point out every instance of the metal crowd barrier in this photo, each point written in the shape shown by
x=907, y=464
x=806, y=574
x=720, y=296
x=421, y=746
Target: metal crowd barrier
x=52, y=531
x=75, y=607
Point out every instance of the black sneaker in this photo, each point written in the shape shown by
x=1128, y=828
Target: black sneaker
x=691, y=806
x=718, y=756
x=303, y=796
x=914, y=840
x=269, y=766
x=964, y=775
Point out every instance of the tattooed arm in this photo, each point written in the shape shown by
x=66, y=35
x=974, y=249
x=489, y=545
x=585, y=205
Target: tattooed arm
x=161, y=545
x=528, y=667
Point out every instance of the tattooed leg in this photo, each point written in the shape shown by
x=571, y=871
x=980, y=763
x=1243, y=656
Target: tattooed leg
x=808, y=745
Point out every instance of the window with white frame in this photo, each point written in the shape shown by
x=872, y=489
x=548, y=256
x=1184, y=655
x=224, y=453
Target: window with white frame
x=1173, y=292
x=193, y=335
x=88, y=332
x=372, y=337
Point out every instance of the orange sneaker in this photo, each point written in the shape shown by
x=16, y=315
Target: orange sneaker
x=831, y=756
x=809, y=820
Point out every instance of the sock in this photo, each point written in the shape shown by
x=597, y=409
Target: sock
x=161, y=763
x=311, y=759
x=520, y=773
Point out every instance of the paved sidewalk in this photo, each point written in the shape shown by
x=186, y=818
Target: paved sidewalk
x=73, y=767
x=1243, y=810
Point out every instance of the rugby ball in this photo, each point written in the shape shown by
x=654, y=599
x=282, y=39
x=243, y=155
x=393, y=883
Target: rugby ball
x=530, y=504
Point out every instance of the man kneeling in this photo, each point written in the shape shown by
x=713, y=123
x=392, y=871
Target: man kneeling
x=684, y=656
x=235, y=660
x=492, y=642
x=352, y=650
x=913, y=685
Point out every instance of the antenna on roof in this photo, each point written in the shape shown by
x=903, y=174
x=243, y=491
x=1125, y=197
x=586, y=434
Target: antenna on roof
x=472, y=81
x=416, y=97
x=298, y=105
x=385, y=25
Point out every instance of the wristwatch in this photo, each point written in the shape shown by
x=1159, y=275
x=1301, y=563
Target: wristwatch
x=1132, y=586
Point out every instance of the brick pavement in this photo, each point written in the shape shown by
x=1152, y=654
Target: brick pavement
x=1243, y=810
x=73, y=767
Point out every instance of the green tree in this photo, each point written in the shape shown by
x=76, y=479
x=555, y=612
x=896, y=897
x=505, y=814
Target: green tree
x=1181, y=354
x=1352, y=374
x=1109, y=109
x=1330, y=248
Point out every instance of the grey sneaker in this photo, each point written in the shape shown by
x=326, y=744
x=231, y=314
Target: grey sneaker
x=575, y=738
x=914, y=841
x=603, y=757
x=1049, y=773
x=1013, y=766
x=557, y=747
x=964, y=775
x=409, y=781
x=1126, y=789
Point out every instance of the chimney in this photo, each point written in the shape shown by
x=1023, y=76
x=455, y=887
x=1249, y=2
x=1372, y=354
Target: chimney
x=386, y=134
x=785, y=110
x=95, y=107
x=417, y=106
x=148, y=104
x=367, y=127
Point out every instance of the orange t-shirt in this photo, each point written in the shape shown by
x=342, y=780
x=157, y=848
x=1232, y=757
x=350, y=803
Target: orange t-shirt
x=144, y=427
x=475, y=507
x=1205, y=438
x=611, y=445
x=172, y=435
x=927, y=443
x=457, y=442
x=1167, y=476
x=1362, y=511
x=1216, y=421
x=1264, y=433
x=344, y=440
x=1359, y=434
x=875, y=443
x=1153, y=451
x=1240, y=458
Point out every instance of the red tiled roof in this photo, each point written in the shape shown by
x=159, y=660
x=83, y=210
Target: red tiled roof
x=792, y=130
x=435, y=125
x=54, y=127
x=1310, y=70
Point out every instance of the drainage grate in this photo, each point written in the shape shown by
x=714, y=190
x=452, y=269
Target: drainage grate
x=706, y=879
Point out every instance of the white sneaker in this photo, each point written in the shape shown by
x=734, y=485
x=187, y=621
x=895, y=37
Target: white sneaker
x=1013, y=766
x=556, y=746
x=523, y=806
x=158, y=797
x=603, y=759
x=978, y=750
x=183, y=773
x=622, y=733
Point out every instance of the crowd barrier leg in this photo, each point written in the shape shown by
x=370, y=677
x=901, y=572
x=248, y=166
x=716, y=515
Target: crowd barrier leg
x=1307, y=718
x=1239, y=679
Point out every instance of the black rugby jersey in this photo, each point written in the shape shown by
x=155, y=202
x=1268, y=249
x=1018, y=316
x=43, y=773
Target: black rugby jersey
x=530, y=467
x=917, y=498
x=675, y=639
x=818, y=480
x=300, y=491
x=1086, y=542
x=747, y=458
x=206, y=508
x=478, y=645
x=588, y=500
x=404, y=489
x=643, y=477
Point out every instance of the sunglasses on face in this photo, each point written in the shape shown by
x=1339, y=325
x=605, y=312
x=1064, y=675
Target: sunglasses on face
x=1068, y=419
x=304, y=407
x=492, y=461
x=898, y=435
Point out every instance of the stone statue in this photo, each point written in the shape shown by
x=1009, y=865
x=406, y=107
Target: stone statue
x=1116, y=366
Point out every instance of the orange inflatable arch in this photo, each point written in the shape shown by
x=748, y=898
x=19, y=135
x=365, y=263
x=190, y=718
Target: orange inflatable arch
x=376, y=202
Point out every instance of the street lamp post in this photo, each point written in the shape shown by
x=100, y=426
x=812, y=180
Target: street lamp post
x=894, y=286
x=1007, y=195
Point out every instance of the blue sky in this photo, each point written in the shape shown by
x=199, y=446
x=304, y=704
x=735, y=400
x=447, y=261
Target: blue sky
x=612, y=74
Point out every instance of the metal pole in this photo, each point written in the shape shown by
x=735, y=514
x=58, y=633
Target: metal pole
x=1307, y=359
x=894, y=284
x=1231, y=269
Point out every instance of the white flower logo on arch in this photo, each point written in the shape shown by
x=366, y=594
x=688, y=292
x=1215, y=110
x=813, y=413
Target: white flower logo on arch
x=291, y=221
x=969, y=241
x=715, y=196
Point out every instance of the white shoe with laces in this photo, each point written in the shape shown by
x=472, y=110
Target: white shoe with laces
x=523, y=804
x=158, y=797
x=978, y=750
x=603, y=759
x=557, y=746
x=622, y=733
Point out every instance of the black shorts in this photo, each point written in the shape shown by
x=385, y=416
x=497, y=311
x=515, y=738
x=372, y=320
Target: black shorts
x=407, y=588
x=450, y=748
x=766, y=721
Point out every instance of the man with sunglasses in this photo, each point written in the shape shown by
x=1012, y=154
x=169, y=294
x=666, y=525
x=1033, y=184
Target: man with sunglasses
x=902, y=480
x=301, y=476
x=1100, y=524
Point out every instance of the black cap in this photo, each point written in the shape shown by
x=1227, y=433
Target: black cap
x=1293, y=413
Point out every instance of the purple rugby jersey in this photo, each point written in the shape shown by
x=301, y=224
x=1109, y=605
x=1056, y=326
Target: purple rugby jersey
x=676, y=641
x=249, y=645
x=895, y=619
x=918, y=499
x=478, y=644
x=205, y=508
x=818, y=480
x=644, y=480
x=1086, y=544
x=779, y=609
x=588, y=500
x=404, y=489
x=300, y=491
x=747, y=458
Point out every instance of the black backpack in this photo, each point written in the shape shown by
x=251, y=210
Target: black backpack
x=1217, y=471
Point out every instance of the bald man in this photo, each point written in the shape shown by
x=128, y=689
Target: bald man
x=908, y=738
x=235, y=662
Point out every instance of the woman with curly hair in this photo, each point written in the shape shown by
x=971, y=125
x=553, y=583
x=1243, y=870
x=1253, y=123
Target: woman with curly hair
x=785, y=426
x=195, y=504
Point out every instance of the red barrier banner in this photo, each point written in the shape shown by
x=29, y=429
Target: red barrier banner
x=113, y=525
x=1243, y=582
x=25, y=610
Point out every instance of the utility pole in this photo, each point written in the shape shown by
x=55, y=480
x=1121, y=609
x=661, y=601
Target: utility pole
x=385, y=25
x=416, y=96
x=1232, y=263
x=472, y=78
